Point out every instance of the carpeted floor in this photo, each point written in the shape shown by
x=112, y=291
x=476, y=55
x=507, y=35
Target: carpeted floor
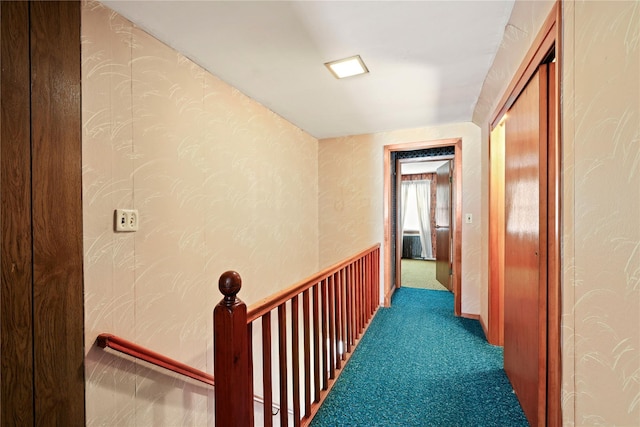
x=416, y=273
x=418, y=365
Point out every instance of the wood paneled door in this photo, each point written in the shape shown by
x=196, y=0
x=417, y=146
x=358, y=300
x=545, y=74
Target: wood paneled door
x=525, y=281
x=443, y=225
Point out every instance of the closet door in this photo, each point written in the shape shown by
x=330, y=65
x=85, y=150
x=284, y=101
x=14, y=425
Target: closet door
x=525, y=288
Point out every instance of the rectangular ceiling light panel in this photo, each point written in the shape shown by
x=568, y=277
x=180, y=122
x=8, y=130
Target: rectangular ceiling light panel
x=347, y=67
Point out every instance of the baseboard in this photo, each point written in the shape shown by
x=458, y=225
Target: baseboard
x=470, y=316
x=388, y=295
x=478, y=318
x=484, y=329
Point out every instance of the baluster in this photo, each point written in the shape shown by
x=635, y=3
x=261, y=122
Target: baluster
x=374, y=288
x=325, y=365
x=282, y=340
x=232, y=369
x=354, y=313
x=369, y=285
x=349, y=290
x=338, y=304
x=316, y=343
x=358, y=298
x=267, y=381
x=295, y=357
x=363, y=293
x=307, y=354
x=332, y=332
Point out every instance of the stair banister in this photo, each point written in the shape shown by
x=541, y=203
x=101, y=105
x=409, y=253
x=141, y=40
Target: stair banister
x=338, y=304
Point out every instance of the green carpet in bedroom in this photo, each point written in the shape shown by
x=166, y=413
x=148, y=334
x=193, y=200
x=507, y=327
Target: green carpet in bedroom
x=419, y=365
x=416, y=273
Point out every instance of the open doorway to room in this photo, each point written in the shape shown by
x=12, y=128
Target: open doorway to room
x=447, y=229
x=421, y=218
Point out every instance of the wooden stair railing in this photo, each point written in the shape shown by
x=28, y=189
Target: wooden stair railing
x=142, y=353
x=337, y=306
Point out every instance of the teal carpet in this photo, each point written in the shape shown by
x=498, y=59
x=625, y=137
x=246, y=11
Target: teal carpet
x=418, y=365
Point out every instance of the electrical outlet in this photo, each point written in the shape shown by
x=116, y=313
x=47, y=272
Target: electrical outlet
x=468, y=218
x=126, y=220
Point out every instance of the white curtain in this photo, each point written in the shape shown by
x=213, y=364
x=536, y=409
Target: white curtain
x=406, y=185
x=423, y=198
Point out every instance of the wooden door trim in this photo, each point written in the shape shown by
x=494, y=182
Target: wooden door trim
x=495, y=331
x=549, y=37
x=457, y=200
x=398, y=265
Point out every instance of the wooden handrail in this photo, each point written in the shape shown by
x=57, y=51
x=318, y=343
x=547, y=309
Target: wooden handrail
x=265, y=305
x=127, y=347
x=142, y=353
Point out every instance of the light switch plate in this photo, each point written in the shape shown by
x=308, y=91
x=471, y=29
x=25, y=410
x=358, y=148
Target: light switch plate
x=126, y=220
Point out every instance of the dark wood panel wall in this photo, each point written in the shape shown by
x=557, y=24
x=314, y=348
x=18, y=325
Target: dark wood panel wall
x=16, y=328
x=41, y=294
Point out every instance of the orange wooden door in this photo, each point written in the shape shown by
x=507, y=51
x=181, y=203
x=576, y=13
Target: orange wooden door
x=525, y=261
x=443, y=225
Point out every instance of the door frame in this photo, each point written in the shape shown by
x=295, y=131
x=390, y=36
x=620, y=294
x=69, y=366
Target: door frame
x=389, y=284
x=548, y=40
x=398, y=207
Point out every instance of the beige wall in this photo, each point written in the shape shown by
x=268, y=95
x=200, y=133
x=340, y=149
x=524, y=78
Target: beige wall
x=220, y=183
x=351, y=197
x=601, y=200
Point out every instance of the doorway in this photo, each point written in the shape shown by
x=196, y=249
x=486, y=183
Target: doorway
x=392, y=187
x=424, y=218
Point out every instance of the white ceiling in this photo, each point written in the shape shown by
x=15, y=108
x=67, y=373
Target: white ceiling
x=427, y=59
x=428, y=166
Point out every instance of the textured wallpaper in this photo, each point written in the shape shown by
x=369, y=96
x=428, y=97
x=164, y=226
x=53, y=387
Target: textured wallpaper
x=351, y=197
x=220, y=183
x=601, y=199
x=521, y=30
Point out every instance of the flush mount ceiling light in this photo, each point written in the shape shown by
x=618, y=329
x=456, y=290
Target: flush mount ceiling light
x=347, y=67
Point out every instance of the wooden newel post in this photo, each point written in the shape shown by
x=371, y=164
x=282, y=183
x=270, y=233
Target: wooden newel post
x=231, y=365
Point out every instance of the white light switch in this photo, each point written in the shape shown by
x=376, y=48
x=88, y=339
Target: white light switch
x=126, y=220
x=468, y=218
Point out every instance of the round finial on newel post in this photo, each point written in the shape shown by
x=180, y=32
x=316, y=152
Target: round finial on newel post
x=229, y=284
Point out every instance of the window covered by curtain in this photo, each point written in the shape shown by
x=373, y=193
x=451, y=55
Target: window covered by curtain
x=416, y=212
x=423, y=199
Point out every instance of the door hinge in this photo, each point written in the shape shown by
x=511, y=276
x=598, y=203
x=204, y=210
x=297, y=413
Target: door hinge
x=451, y=179
x=450, y=271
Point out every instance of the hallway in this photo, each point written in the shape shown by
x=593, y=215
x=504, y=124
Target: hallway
x=418, y=365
